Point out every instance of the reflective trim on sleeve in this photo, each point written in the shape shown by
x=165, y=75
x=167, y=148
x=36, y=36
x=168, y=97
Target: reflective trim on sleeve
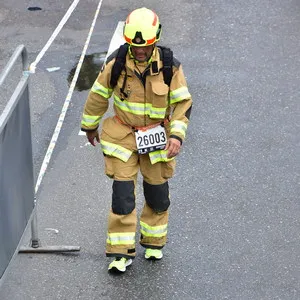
x=179, y=94
x=153, y=231
x=101, y=90
x=121, y=238
x=178, y=126
x=115, y=150
x=90, y=121
x=140, y=108
x=159, y=156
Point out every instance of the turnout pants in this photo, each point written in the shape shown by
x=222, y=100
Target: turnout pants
x=122, y=220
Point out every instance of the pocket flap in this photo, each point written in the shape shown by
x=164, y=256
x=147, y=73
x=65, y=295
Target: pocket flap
x=115, y=130
x=159, y=88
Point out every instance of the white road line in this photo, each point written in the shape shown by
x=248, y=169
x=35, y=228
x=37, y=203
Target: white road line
x=66, y=105
x=63, y=21
x=116, y=41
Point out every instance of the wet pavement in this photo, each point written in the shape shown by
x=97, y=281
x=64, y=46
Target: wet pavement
x=89, y=71
x=234, y=219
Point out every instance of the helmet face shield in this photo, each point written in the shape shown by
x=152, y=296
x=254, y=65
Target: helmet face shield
x=142, y=28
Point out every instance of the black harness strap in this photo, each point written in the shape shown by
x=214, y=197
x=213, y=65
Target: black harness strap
x=167, y=58
x=122, y=89
x=119, y=65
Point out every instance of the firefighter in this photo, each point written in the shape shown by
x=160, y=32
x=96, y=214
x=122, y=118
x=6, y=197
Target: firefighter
x=151, y=115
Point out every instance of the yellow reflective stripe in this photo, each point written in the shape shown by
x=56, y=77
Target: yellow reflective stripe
x=140, y=108
x=179, y=94
x=178, y=126
x=159, y=156
x=90, y=121
x=153, y=231
x=115, y=150
x=101, y=90
x=121, y=238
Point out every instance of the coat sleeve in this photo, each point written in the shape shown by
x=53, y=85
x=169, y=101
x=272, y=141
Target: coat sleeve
x=97, y=102
x=181, y=104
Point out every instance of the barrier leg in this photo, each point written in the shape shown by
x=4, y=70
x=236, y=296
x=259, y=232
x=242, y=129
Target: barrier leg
x=35, y=245
x=35, y=242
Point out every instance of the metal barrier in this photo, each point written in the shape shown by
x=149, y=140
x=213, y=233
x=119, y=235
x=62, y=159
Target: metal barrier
x=17, y=196
x=16, y=166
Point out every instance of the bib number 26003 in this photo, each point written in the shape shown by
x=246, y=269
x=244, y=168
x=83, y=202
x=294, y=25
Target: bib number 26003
x=151, y=140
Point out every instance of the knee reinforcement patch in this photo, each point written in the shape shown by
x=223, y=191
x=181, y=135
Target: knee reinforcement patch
x=157, y=196
x=123, y=198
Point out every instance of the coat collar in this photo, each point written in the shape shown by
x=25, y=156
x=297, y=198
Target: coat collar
x=154, y=62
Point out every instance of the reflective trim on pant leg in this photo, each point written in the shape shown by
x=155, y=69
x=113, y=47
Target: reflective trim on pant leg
x=121, y=238
x=157, y=196
x=123, y=198
x=153, y=231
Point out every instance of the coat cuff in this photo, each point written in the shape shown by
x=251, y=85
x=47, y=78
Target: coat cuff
x=176, y=137
x=90, y=130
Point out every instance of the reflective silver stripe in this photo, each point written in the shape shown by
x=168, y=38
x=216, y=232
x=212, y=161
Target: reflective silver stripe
x=140, y=108
x=90, y=120
x=135, y=108
x=179, y=94
x=159, y=156
x=101, y=90
x=155, y=113
x=178, y=126
x=122, y=238
x=153, y=231
x=115, y=150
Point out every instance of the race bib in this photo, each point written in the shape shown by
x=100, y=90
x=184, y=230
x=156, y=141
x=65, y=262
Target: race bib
x=151, y=139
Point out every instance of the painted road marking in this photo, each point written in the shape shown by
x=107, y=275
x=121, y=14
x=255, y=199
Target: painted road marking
x=66, y=105
x=63, y=21
x=116, y=41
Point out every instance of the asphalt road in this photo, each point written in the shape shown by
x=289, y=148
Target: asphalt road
x=234, y=219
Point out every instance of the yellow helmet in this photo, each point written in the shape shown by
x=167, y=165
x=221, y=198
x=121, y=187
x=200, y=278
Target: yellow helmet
x=142, y=27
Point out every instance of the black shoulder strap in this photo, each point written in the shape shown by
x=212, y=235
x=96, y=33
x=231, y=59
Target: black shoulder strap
x=167, y=58
x=118, y=65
